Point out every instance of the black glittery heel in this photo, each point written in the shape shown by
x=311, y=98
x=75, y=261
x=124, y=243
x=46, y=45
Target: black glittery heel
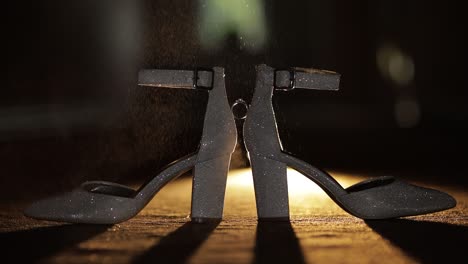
x=100, y=202
x=270, y=175
x=379, y=198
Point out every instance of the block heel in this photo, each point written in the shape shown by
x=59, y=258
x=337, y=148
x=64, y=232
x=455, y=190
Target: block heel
x=271, y=189
x=99, y=202
x=209, y=185
x=379, y=198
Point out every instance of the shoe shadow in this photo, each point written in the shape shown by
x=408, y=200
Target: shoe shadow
x=276, y=242
x=33, y=245
x=428, y=242
x=178, y=246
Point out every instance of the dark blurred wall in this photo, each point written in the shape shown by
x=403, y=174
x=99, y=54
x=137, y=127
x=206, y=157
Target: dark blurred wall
x=71, y=110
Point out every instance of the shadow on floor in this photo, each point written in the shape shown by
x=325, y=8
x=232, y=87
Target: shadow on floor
x=428, y=242
x=34, y=245
x=178, y=246
x=276, y=242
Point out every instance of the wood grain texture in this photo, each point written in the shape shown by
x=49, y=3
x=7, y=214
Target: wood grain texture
x=319, y=232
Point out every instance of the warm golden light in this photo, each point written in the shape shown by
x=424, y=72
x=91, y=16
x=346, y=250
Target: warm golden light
x=298, y=184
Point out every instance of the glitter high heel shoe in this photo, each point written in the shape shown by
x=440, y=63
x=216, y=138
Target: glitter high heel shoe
x=379, y=198
x=99, y=202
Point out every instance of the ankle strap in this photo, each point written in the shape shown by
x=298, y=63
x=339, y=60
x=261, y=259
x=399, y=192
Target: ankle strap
x=197, y=79
x=306, y=79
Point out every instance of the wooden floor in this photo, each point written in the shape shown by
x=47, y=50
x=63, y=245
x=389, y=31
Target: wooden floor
x=319, y=232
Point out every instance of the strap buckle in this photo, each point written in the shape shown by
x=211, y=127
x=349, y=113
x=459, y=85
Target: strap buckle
x=196, y=77
x=292, y=80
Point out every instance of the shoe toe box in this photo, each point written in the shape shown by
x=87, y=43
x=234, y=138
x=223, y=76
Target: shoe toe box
x=81, y=206
x=395, y=198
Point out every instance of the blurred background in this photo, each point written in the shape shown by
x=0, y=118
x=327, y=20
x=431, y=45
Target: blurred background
x=71, y=110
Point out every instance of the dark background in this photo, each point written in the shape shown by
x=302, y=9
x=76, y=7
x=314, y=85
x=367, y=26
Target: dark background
x=71, y=111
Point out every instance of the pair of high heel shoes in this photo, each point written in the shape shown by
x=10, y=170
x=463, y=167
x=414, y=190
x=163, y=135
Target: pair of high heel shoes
x=99, y=202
